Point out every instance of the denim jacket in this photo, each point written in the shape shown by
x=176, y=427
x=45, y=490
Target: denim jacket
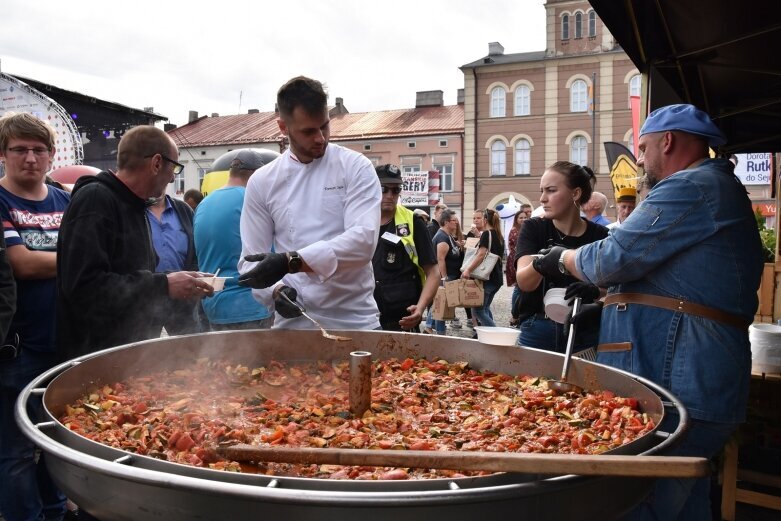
x=695, y=238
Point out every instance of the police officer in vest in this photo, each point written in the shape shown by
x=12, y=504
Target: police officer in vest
x=405, y=267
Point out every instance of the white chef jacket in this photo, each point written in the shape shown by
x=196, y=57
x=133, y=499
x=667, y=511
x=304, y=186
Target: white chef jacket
x=329, y=212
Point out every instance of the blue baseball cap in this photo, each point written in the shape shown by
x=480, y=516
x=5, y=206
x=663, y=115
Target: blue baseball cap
x=686, y=118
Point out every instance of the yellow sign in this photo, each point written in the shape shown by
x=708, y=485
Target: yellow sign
x=623, y=174
x=213, y=181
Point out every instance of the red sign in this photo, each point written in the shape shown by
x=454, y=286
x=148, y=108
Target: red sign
x=766, y=209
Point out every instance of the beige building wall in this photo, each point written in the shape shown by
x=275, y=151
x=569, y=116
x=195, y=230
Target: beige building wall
x=427, y=152
x=551, y=126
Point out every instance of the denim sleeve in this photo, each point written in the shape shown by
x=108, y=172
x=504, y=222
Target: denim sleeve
x=675, y=215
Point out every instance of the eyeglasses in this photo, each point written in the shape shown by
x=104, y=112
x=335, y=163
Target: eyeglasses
x=178, y=167
x=395, y=190
x=23, y=151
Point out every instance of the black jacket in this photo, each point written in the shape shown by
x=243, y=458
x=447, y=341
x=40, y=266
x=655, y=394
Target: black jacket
x=108, y=292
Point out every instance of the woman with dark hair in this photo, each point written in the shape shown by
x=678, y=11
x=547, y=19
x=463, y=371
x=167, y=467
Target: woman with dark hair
x=564, y=187
x=512, y=240
x=490, y=240
x=448, y=254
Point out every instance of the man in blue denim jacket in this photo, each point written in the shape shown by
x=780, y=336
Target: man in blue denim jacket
x=682, y=274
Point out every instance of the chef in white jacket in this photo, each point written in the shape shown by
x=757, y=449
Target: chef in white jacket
x=318, y=208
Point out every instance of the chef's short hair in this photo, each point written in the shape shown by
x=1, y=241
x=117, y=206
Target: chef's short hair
x=302, y=92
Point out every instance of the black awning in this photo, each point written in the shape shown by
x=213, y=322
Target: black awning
x=720, y=55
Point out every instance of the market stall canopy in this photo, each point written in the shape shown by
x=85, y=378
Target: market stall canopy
x=720, y=55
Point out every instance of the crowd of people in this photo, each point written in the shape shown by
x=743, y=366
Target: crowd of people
x=116, y=261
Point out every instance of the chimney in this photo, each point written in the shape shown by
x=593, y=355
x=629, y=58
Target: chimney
x=276, y=110
x=168, y=127
x=495, y=48
x=339, y=108
x=429, y=98
x=460, y=97
x=192, y=116
x=149, y=109
x=215, y=115
x=253, y=111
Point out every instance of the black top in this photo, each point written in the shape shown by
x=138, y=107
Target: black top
x=538, y=233
x=108, y=292
x=453, y=257
x=496, y=248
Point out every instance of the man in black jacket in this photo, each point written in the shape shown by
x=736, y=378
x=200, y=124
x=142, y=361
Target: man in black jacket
x=109, y=293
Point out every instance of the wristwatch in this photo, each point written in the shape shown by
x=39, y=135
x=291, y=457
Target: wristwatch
x=562, y=267
x=294, y=262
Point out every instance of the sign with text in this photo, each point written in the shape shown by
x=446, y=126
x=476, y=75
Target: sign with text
x=414, y=189
x=753, y=169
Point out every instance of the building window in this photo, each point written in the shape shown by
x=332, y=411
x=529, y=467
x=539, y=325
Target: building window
x=578, y=150
x=411, y=144
x=445, y=176
x=498, y=158
x=410, y=169
x=201, y=175
x=497, y=102
x=577, y=96
x=522, y=157
x=578, y=25
x=179, y=183
x=375, y=160
x=630, y=141
x=522, y=101
x=565, y=27
x=367, y=148
x=634, y=87
x=443, y=143
x=592, y=24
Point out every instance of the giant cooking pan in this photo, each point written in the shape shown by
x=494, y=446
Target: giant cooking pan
x=116, y=485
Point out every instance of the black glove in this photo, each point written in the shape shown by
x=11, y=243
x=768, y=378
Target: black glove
x=285, y=308
x=548, y=264
x=271, y=267
x=586, y=291
x=588, y=316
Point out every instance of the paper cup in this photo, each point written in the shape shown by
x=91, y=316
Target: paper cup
x=556, y=307
x=218, y=283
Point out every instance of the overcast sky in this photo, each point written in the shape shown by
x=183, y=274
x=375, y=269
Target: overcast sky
x=178, y=56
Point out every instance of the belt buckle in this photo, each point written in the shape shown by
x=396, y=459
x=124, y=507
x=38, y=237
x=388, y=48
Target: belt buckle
x=621, y=306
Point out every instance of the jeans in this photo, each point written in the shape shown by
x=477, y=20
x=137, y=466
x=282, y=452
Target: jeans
x=483, y=314
x=544, y=333
x=685, y=499
x=514, y=300
x=27, y=492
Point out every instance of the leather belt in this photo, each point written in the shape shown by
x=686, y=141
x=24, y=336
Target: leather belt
x=678, y=305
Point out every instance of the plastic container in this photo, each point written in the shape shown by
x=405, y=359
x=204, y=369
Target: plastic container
x=765, y=348
x=556, y=307
x=498, y=336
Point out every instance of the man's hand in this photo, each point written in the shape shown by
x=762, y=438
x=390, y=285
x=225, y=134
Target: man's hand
x=586, y=291
x=285, y=308
x=188, y=284
x=271, y=268
x=588, y=317
x=413, y=319
x=548, y=264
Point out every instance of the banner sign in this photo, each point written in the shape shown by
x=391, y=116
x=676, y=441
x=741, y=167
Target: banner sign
x=753, y=169
x=414, y=189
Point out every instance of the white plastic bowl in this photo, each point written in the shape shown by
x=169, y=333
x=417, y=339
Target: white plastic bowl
x=498, y=336
x=556, y=307
x=218, y=283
